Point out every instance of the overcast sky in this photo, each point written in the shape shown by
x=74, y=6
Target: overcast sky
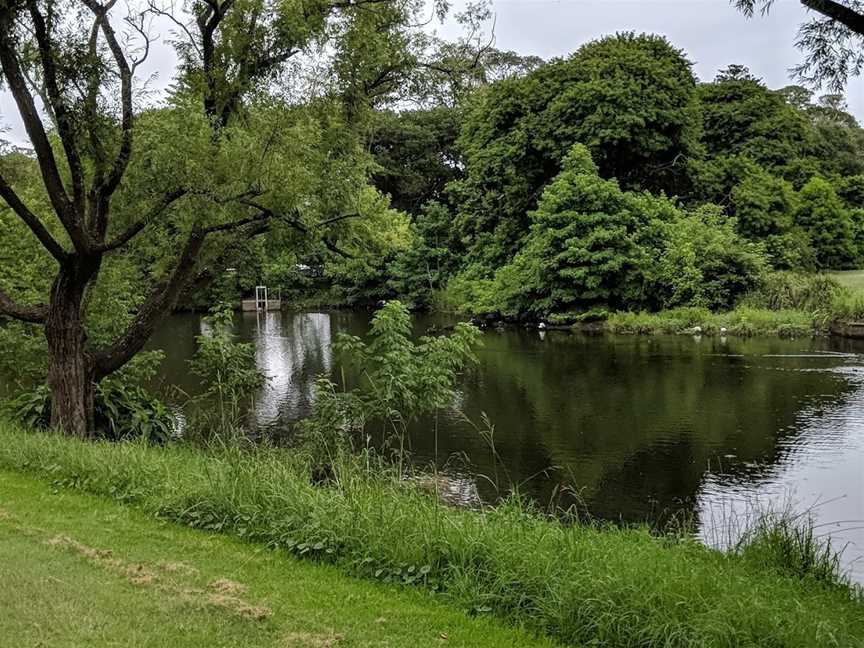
x=711, y=32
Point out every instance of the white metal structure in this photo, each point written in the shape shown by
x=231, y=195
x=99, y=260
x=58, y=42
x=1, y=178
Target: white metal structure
x=261, y=298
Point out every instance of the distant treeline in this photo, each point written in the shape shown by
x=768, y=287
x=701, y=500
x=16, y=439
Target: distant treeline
x=611, y=179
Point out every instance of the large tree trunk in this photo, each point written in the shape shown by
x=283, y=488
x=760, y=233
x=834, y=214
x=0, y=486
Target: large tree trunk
x=71, y=371
x=71, y=381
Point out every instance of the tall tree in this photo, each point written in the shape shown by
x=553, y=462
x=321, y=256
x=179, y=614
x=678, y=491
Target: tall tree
x=80, y=61
x=630, y=98
x=833, y=38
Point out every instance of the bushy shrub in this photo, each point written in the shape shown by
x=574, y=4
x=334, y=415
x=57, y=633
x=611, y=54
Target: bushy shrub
x=470, y=292
x=227, y=371
x=122, y=411
x=705, y=262
x=823, y=216
x=816, y=292
x=399, y=379
x=590, y=244
x=593, y=245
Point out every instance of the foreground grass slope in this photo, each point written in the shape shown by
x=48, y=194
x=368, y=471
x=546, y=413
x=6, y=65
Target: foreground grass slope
x=580, y=584
x=79, y=570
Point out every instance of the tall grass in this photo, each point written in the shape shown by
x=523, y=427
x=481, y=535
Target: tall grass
x=743, y=321
x=785, y=291
x=786, y=304
x=585, y=584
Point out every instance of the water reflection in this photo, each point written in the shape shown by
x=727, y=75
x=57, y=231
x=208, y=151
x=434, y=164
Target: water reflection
x=290, y=352
x=641, y=428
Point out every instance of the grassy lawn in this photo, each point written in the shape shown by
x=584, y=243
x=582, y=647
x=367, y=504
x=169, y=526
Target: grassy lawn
x=852, y=279
x=582, y=584
x=80, y=570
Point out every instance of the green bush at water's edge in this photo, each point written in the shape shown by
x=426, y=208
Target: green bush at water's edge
x=787, y=304
x=743, y=321
x=584, y=584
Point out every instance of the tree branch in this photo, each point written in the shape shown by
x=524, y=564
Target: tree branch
x=17, y=84
x=32, y=314
x=336, y=219
x=113, y=179
x=160, y=302
x=162, y=299
x=224, y=227
x=131, y=232
x=296, y=224
x=65, y=125
x=839, y=12
x=155, y=9
x=31, y=220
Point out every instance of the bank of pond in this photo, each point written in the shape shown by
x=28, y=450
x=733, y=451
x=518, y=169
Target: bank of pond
x=627, y=429
x=581, y=583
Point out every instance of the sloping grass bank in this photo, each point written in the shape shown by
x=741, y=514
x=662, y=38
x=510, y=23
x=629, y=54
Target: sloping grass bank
x=584, y=585
x=81, y=570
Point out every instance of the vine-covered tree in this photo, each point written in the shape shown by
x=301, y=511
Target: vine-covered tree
x=227, y=159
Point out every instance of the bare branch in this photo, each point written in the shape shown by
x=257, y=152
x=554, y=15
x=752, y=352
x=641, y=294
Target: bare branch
x=158, y=11
x=31, y=220
x=138, y=25
x=135, y=229
x=32, y=314
x=17, y=84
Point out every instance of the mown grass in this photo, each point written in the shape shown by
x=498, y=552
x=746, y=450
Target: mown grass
x=582, y=584
x=80, y=570
x=851, y=279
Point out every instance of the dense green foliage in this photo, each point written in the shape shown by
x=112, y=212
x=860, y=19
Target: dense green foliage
x=229, y=377
x=592, y=245
x=125, y=409
x=516, y=133
x=580, y=583
x=693, y=191
x=398, y=380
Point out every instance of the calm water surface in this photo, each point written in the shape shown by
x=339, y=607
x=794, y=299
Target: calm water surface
x=642, y=428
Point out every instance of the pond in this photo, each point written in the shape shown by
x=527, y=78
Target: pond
x=640, y=429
